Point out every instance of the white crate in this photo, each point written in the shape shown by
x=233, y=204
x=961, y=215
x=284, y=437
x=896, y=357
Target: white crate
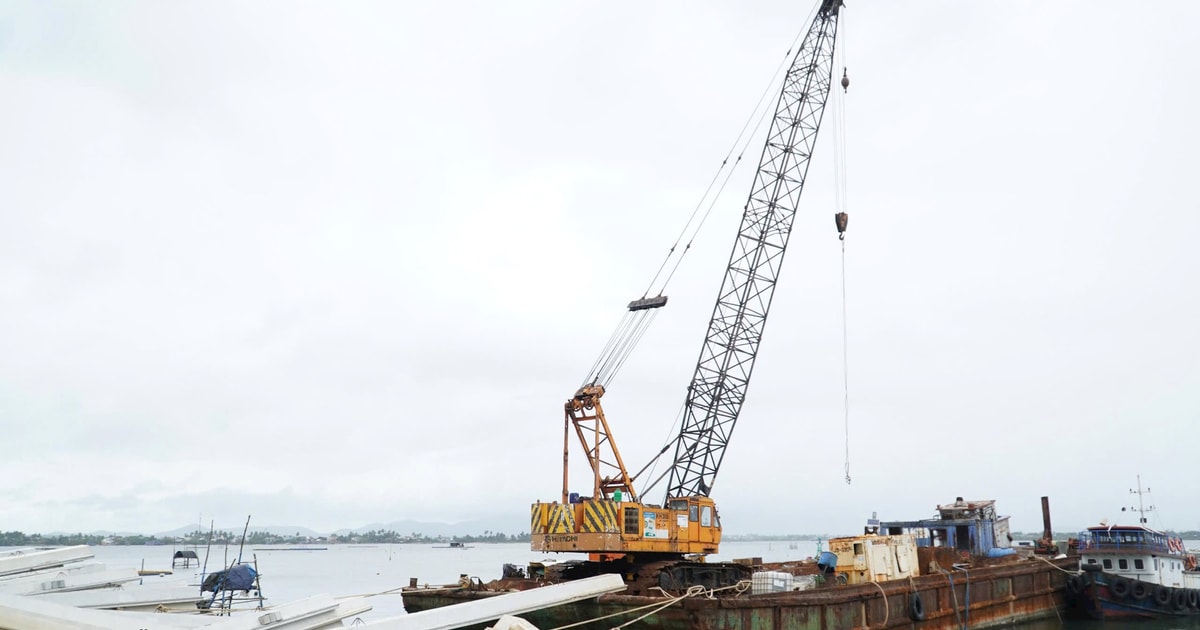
x=770, y=582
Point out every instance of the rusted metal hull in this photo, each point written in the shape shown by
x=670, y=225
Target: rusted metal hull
x=979, y=598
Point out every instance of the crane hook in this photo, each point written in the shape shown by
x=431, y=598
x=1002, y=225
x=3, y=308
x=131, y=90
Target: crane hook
x=845, y=81
x=841, y=219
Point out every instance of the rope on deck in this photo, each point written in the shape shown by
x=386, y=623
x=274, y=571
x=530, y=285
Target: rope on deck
x=694, y=591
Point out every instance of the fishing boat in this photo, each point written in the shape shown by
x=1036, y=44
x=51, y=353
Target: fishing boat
x=1134, y=571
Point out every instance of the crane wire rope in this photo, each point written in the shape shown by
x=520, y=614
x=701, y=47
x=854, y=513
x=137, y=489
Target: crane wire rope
x=630, y=343
x=754, y=113
x=652, y=465
x=841, y=204
x=633, y=324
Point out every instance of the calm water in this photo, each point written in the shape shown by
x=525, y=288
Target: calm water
x=343, y=570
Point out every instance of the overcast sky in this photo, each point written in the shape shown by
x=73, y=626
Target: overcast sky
x=331, y=264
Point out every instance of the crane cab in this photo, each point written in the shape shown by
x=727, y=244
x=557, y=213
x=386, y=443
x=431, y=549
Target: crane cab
x=686, y=525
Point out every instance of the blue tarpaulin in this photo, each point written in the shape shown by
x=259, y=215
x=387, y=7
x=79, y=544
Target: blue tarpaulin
x=239, y=577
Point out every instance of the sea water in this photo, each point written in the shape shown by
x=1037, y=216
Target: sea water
x=379, y=571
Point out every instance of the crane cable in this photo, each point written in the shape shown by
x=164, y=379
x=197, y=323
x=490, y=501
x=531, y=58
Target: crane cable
x=841, y=219
x=634, y=324
x=762, y=104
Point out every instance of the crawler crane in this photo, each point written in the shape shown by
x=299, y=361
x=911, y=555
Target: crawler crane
x=614, y=524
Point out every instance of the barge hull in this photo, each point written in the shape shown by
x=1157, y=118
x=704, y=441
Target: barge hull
x=986, y=597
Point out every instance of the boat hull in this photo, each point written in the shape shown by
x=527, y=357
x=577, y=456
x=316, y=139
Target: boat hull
x=1099, y=595
x=979, y=598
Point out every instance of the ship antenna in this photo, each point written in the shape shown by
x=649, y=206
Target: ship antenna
x=1142, y=508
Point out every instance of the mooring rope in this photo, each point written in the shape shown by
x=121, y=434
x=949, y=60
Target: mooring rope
x=954, y=598
x=887, y=606
x=390, y=591
x=1077, y=572
x=693, y=591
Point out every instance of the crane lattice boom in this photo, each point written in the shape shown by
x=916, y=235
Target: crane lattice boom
x=722, y=375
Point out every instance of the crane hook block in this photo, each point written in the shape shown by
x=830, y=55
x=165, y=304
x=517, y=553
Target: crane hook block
x=845, y=81
x=841, y=219
x=645, y=304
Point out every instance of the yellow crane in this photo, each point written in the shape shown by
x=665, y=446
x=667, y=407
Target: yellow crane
x=613, y=522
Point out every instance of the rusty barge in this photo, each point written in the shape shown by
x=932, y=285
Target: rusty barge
x=1000, y=595
x=954, y=571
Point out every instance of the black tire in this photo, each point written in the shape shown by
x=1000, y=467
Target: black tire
x=1193, y=598
x=1179, y=599
x=1119, y=587
x=1139, y=590
x=1075, y=585
x=916, y=607
x=1162, y=595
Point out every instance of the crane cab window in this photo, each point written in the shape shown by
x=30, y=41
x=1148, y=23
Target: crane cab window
x=631, y=520
x=679, y=505
x=694, y=513
x=706, y=519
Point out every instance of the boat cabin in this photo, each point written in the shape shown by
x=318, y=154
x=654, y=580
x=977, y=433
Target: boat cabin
x=1138, y=552
x=971, y=527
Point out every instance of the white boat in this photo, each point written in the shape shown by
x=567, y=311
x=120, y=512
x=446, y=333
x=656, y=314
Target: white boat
x=1134, y=571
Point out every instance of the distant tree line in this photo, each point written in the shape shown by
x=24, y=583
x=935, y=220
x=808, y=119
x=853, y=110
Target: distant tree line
x=201, y=538
x=375, y=536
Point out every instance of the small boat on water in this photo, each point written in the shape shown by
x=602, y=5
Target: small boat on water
x=1134, y=571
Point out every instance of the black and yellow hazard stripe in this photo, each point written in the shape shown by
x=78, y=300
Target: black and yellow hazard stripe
x=537, y=523
x=561, y=519
x=600, y=517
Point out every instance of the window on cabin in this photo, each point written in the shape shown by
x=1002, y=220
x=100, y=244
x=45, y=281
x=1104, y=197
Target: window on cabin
x=694, y=513
x=1091, y=561
x=706, y=516
x=1138, y=564
x=631, y=520
x=1107, y=563
x=1122, y=564
x=858, y=549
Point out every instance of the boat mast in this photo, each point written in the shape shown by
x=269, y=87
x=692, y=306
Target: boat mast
x=1141, y=506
